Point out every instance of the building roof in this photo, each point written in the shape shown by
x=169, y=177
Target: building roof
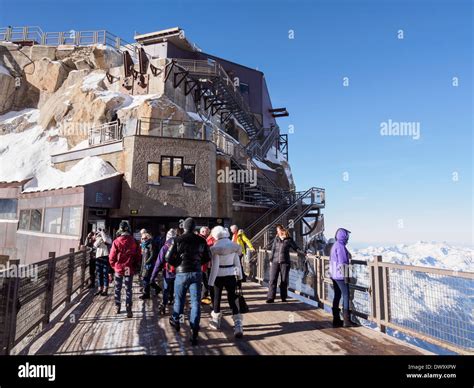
x=175, y=35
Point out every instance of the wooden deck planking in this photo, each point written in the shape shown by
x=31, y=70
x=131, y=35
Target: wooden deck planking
x=293, y=328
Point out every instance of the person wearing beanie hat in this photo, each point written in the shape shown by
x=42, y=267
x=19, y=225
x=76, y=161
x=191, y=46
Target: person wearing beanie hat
x=125, y=259
x=225, y=272
x=187, y=253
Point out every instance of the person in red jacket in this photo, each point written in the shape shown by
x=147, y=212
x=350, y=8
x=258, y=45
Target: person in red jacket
x=125, y=259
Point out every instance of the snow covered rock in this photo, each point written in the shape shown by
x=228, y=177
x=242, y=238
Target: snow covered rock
x=48, y=75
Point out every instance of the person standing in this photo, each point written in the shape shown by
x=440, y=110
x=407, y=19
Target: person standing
x=339, y=261
x=239, y=237
x=207, y=291
x=101, y=244
x=280, y=263
x=169, y=272
x=90, y=239
x=225, y=272
x=125, y=259
x=187, y=253
x=148, y=262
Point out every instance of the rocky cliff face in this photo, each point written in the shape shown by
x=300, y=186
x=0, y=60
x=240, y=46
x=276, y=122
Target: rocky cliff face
x=69, y=88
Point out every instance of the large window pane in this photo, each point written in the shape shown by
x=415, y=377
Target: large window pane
x=36, y=218
x=72, y=221
x=153, y=173
x=189, y=175
x=24, y=219
x=52, y=220
x=165, y=166
x=8, y=209
x=177, y=166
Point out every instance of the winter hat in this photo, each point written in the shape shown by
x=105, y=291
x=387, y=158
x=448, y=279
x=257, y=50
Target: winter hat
x=189, y=224
x=171, y=234
x=124, y=226
x=219, y=232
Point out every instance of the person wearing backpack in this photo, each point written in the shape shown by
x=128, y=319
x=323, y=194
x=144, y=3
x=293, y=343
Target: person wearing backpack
x=169, y=272
x=125, y=259
x=187, y=253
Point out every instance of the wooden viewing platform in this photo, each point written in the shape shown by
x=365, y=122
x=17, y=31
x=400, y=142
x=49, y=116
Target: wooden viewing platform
x=91, y=326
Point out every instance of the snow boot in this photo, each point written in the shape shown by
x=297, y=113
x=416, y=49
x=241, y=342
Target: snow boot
x=156, y=287
x=129, y=312
x=347, y=319
x=174, y=323
x=162, y=309
x=215, y=322
x=194, y=337
x=238, y=326
x=144, y=296
x=336, y=318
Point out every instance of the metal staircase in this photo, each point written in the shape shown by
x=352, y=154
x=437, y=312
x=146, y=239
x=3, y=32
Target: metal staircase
x=294, y=212
x=224, y=94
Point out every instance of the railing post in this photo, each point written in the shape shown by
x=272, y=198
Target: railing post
x=317, y=280
x=70, y=275
x=48, y=300
x=8, y=35
x=83, y=266
x=377, y=291
x=161, y=128
x=10, y=298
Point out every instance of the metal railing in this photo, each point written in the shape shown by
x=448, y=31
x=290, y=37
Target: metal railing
x=105, y=133
x=28, y=302
x=214, y=69
x=78, y=38
x=430, y=304
x=301, y=201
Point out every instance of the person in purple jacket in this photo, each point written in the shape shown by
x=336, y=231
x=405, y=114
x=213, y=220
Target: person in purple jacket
x=339, y=269
x=169, y=273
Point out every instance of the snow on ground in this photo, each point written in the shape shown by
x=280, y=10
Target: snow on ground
x=9, y=117
x=27, y=155
x=92, y=81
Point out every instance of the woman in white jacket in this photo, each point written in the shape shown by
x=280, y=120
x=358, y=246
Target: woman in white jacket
x=225, y=272
x=102, y=261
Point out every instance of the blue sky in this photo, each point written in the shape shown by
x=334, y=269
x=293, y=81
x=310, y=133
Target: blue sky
x=398, y=189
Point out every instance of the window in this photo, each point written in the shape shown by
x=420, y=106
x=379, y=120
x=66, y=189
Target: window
x=244, y=88
x=171, y=165
x=154, y=173
x=71, y=221
x=24, y=219
x=189, y=174
x=8, y=209
x=52, y=220
x=30, y=219
x=35, y=220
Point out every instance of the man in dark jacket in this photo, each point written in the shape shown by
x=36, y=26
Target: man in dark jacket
x=187, y=253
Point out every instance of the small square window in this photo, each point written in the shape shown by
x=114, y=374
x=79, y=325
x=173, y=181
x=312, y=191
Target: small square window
x=154, y=173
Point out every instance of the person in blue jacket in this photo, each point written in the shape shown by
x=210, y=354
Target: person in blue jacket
x=339, y=269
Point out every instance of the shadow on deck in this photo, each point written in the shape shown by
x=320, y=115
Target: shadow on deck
x=293, y=328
